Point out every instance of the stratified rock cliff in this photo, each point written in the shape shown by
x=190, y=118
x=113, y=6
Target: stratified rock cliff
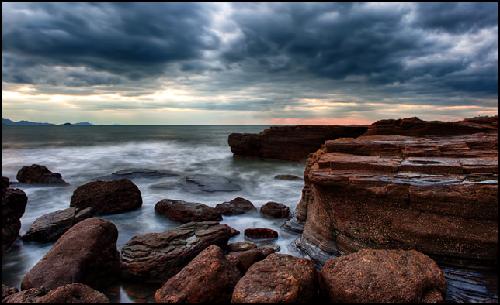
x=289, y=142
x=435, y=193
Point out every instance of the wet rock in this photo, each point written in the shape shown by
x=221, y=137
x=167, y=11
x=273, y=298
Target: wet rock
x=155, y=257
x=293, y=225
x=131, y=173
x=241, y=246
x=258, y=233
x=183, y=211
x=288, y=142
x=208, y=278
x=287, y=177
x=277, y=279
x=50, y=227
x=107, y=197
x=383, y=276
x=13, y=206
x=164, y=186
x=244, y=259
x=38, y=174
x=275, y=210
x=210, y=184
x=86, y=254
x=71, y=293
x=236, y=206
x=6, y=291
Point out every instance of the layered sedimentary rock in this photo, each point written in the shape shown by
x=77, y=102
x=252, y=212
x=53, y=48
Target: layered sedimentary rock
x=38, y=174
x=436, y=194
x=288, y=142
x=383, y=276
x=13, y=206
x=86, y=254
x=71, y=293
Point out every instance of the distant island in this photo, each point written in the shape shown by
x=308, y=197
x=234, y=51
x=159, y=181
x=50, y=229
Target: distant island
x=6, y=121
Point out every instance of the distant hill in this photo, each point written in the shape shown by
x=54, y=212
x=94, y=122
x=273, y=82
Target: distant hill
x=6, y=121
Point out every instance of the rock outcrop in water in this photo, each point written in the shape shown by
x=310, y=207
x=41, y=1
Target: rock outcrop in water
x=107, y=197
x=436, y=194
x=71, y=293
x=184, y=212
x=13, y=206
x=208, y=278
x=86, y=254
x=289, y=142
x=257, y=233
x=236, y=206
x=155, y=257
x=275, y=210
x=38, y=174
x=383, y=276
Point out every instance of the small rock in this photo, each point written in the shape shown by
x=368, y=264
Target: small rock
x=208, y=278
x=210, y=184
x=275, y=210
x=244, y=259
x=287, y=177
x=38, y=174
x=241, y=246
x=182, y=211
x=236, y=206
x=260, y=233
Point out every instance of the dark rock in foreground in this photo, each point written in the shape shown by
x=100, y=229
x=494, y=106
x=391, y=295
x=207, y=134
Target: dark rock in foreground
x=6, y=291
x=71, y=293
x=38, y=174
x=50, y=227
x=107, y=197
x=13, y=206
x=260, y=233
x=277, y=279
x=275, y=210
x=236, y=206
x=86, y=254
x=208, y=278
x=383, y=276
x=289, y=142
x=155, y=257
x=183, y=211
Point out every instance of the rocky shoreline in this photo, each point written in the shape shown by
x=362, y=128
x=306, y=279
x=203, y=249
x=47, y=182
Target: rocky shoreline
x=381, y=205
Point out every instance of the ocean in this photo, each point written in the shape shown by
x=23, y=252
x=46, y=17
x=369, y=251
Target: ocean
x=85, y=153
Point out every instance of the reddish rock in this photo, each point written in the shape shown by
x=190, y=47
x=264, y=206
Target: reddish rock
x=7, y=291
x=50, y=227
x=260, y=233
x=244, y=259
x=208, y=278
x=38, y=174
x=155, y=257
x=236, y=206
x=13, y=206
x=86, y=254
x=71, y=293
x=383, y=276
x=277, y=279
x=183, y=211
x=275, y=210
x=107, y=197
x=287, y=177
x=241, y=246
x=289, y=142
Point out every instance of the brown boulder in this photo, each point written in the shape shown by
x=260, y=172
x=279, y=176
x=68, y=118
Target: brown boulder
x=71, y=293
x=86, y=253
x=244, y=259
x=155, y=257
x=6, y=291
x=275, y=210
x=13, y=206
x=241, y=246
x=50, y=227
x=260, y=233
x=38, y=174
x=236, y=206
x=383, y=276
x=183, y=211
x=107, y=197
x=277, y=279
x=208, y=278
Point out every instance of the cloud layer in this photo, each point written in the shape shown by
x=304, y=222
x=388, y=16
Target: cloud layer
x=262, y=62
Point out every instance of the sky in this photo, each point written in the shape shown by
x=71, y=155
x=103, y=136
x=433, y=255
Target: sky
x=248, y=63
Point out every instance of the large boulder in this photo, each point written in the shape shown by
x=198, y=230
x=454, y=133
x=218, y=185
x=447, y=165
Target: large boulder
x=50, y=227
x=208, y=278
x=107, y=197
x=13, y=206
x=183, y=211
x=275, y=210
x=155, y=257
x=278, y=278
x=383, y=276
x=38, y=174
x=71, y=293
x=86, y=254
x=236, y=206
